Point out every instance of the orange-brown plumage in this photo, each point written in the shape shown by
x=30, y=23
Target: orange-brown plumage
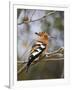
x=39, y=48
x=43, y=37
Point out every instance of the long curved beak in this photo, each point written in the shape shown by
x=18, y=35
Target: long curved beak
x=37, y=33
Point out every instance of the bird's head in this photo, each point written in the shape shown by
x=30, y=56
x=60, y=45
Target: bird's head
x=42, y=36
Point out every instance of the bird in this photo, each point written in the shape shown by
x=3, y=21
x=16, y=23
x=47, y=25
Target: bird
x=38, y=49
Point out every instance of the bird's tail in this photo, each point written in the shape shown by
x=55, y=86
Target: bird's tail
x=27, y=68
x=28, y=65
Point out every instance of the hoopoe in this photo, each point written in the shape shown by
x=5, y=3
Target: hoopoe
x=39, y=48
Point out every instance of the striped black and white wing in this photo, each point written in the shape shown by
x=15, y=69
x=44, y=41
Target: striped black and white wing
x=36, y=53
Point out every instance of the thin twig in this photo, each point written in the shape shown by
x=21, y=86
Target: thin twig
x=43, y=16
x=56, y=51
x=22, y=68
x=38, y=18
x=32, y=14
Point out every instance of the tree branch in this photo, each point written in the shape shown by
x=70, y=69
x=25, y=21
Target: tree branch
x=30, y=21
x=32, y=14
x=55, y=55
x=43, y=16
